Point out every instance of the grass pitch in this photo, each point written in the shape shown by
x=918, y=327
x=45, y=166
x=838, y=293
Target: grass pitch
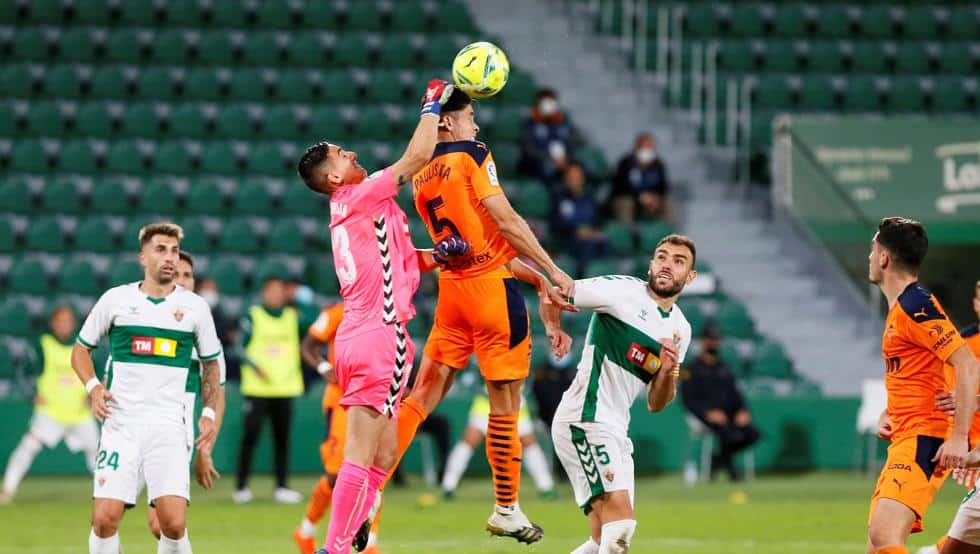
x=813, y=513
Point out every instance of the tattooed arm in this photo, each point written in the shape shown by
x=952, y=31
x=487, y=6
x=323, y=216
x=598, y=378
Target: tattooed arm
x=207, y=425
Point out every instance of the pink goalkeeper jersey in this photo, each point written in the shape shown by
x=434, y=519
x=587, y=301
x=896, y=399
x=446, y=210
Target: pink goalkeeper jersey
x=373, y=255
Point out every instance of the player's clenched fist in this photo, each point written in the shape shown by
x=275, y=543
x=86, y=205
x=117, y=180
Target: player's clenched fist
x=448, y=248
x=437, y=93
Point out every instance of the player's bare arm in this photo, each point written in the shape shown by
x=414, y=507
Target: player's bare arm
x=99, y=396
x=661, y=392
x=546, y=292
x=210, y=389
x=517, y=232
x=953, y=453
x=423, y=141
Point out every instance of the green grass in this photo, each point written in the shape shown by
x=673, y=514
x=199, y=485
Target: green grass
x=815, y=513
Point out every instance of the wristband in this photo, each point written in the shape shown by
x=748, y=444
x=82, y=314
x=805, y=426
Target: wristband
x=208, y=413
x=433, y=108
x=91, y=384
x=323, y=367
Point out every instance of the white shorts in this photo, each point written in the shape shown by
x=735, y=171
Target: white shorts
x=966, y=524
x=596, y=459
x=132, y=453
x=78, y=437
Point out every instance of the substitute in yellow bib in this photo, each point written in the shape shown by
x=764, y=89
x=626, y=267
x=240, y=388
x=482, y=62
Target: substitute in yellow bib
x=272, y=376
x=60, y=408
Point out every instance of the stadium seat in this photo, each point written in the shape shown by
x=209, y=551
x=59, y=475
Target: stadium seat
x=16, y=196
x=747, y=19
x=400, y=50
x=109, y=196
x=738, y=55
x=440, y=47
x=283, y=122
x=7, y=242
x=264, y=49
x=48, y=12
x=835, y=21
x=96, y=235
x=45, y=119
x=912, y=58
x=90, y=12
x=126, y=268
x=114, y=82
x=535, y=199
x=8, y=121
x=354, y=50
x=160, y=196
x=173, y=157
x=31, y=45
x=79, y=276
x=731, y=356
x=364, y=16
x=300, y=85
x=79, y=156
x=951, y=95
x=96, y=120
x=769, y=360
x=229, y=275
x=862, y=94
x=125, y=156
x=185, y=121
x=235, y=121
x=197, y=235
x=254, y=85
x=158, y=84
x=170, y=47
x=30, y=156
x=137, y=14
x=62, y=82
x=77, y=45
x=18, y=81
x=344, y=86
x=13, y=312
x=773, y=92
x=206, y=197
x=252, y=198
x=227, y=14
x=963, y=22
x=241, y=236
x=216, y=47
x=733, y=321
x=310, y=48
x=62, y=197
x=650, y=233
x=277, y=14
x=127, y=46
x=906, y=94
x=28, y=275
x=920, y=22
x=818, y=93
x=299, y=200
x=220, y=158
x=619, y=238
x=377, y=123
x=46, y=235
x=287, y=237
x=958, y=58
x=825, y=57
x=878, y=22
x=509, y=124
x=870, y=57
x=792, y=20
x=206, y=83
x=410, y=16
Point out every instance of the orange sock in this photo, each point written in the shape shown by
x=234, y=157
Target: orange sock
x=410, y=416
x=504, y=455
x=320, y=500
x=892, y=550
x=941, y=542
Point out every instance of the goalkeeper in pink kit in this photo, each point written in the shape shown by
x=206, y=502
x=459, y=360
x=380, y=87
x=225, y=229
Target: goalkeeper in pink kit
x=378, y=269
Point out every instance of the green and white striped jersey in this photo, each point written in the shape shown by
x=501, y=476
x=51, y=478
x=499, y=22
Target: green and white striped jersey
x=151, y=343
x=624, y=331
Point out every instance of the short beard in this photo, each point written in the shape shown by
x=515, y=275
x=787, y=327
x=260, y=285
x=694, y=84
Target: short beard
x=164, y=280
x=665, y=292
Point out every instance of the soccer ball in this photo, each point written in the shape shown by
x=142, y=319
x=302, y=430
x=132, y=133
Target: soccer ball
x=481, y=69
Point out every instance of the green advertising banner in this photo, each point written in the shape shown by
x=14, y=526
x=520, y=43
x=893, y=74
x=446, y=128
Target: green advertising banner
x=840, y=175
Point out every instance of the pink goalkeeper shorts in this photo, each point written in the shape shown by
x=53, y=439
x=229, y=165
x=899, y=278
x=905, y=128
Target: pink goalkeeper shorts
x=373, y=368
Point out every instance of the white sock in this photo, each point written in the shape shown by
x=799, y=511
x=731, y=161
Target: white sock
x=536, y=464
x=587, y=547
x=456, y=464
x=20, y=461
x=307, y=528
x=108, y=545
x=616, y=536
x=171, y=546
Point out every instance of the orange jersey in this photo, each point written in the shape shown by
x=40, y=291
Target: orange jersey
x=917, y=341
x=971, y=335
x=449, y=193
x=324, y=329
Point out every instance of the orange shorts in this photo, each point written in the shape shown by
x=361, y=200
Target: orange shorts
x=486, y=316
x=335, y=417
x=910, y=476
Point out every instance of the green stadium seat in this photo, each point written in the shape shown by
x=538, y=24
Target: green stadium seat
x=825, y=57
x=45, y=235
x=170, y=47
x=761, y=128
x=241, y=236
x=343, y=86
x=221, y=158
x=410, y=16
x=16, y=196
x=782, y=56
x=173, y=157
x=791, y=20
x=137, y=14
x=509, y=124
x=145, y=121
x=229, y=274
x=818, y=93
x=79, y=276
x=963, y=22
x=950, y=94
x=187, y=121
x=298, y=200
x=111, y=81
x=95, y=119
x=354, y=50
x=364, y=16
x=77, y=45
x=906, y=94
x=253, y=85
x=31, y=45
x=62, y=82
x=7, y=242
x=126, y=46
x=773, y=92
x=159, y=196
x=126, y=157
x=78, y=156
x=267, y=159
x=90, y=12
x=419, y=233
x=912, y=58
x=17, y=81
x=733, y=320
x=835, y=21
x=227, y=14
x=48, y=12
x=109, y=196
x=204, y=83
x=650, y=233
x=263, y=49
x=235, y=121
x=299, y=85
x=399, y=51
x=29, y=156
x=197, y=236
x=375, y=123
x=959, y=58
x=748, y=20
x=14, y=318
x=738, y=56
x=281, y=122
x=920, y=22
x=252, y=198
x=325, y=278
x=870, y=57
x=769, y=360
x=439, y=49
x=46, y=120
x=320, y=15
x=620, y=238
x=287, y=237
x=535, y=200
x=702, y=20
x=96, y=234
x=862, y=94
x=878, y=22
x=505, y=155
x=206, y=197
x=125, y=269
x=731, y=356
x=157, y=84
x=216, y=47
x=62, y=197
x=276, y=14
x=310, y=48
x=8, y=121
x=8, y=13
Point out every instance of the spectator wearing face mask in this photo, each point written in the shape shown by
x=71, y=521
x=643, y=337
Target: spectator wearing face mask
x=548, y=137
x=575, y=218
x=226, y=328
x=640, y=186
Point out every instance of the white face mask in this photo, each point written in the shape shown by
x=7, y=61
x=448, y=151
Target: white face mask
x=646, y=155
x=211, y=297
x=556, y=150
x=548, y=106
x=304, y=295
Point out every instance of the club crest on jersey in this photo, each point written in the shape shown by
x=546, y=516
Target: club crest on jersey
x=101, y=480
x=178, y=315
x=609, y=475
x=153, y=346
